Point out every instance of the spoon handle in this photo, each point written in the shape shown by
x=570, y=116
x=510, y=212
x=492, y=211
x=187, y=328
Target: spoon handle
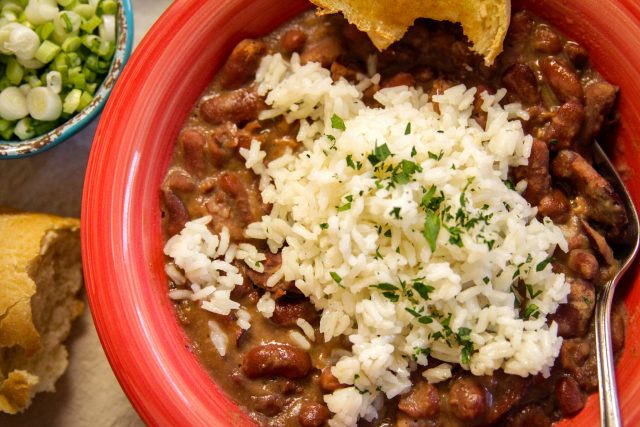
x=609, y=409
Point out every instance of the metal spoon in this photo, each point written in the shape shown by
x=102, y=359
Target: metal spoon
x=625, y=253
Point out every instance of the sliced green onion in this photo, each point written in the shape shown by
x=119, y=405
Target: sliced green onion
x=76, y=78
x=44, y=104
x=90, y=25
x=32, y=64
x=13, y=104
x=108, y=28
x=24, y=129
x=72, y=101
x=67, y=3
x=85, y=100
x=40, y=11
x=14, y=71
x=54, y=81
x=71, y=44
x=47, y=51
x=91, y=88
x=34, y=81
x=23, y=42
x=89, y=75
x=85, y=10
x=109, y=7
x=45, y=30
x=67, y=22
x=5, y=124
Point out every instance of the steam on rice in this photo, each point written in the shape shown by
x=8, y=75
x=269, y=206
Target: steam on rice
x=399, y=223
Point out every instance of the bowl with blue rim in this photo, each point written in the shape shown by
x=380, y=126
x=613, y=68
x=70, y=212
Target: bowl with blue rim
x=59, y=60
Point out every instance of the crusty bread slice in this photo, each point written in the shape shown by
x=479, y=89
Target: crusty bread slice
x=41, y=269
x=485, y=22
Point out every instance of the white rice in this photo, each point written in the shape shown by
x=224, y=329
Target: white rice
x=357, y=247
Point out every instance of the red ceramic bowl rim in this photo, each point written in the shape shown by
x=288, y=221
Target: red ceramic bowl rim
x=137, y=327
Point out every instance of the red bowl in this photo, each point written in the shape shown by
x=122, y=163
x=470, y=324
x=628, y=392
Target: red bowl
x=122, y=242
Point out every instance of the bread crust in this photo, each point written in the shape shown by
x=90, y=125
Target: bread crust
x=24, y=240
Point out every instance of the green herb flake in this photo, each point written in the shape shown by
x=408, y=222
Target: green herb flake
x=431, y=228
x=542, y=265
x=486, y=280
x=407, y=130
x=413, y=151
x=350, y=162
x=324, y=226
x=423, y=290
x=509, y=184
x=336, y=277
x=387, y=233
x=391, y=296
x=337, y=122
x=386, y=287
x=379, y=155
x=531, y=310
x=396, y=213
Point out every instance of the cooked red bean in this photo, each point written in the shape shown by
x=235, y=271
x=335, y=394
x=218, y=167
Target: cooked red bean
x=576, y=53
x=325, y=51
x=287, y=312
x=279, y=360
x=546, y=40
x=193, y=143
x=574, y=316
x=293, y=40
x=328, y=382
x=530, y=416
x=176, y=211
x=400, y=79
x=584, y=263
x=270, y=404
x=339, y=71
x=555, y=205
x=599, y=99
x=569, y=396
x=604, y=204
x=271, y=265
x=565, y=125
x=574, y=353
x=180, y=180
x=521, y=80
x=422, y=401
x=242, y=63
x=467, y=398
x=538, y=178
x=238, y=106
x=508, y=392
x=562, y=79
x=313, y=414
x=521, y=26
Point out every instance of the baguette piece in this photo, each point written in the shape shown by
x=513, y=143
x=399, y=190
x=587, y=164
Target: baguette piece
x=41, y=273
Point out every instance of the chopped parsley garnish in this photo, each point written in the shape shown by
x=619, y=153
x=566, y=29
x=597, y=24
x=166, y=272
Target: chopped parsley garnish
x=531, y=310
x=434, y=156
x=387, y=233
x=509, y=184
x=336, y=277
x=386, y=287
x=466, y=346
x=379, y=155
x=531, y=293
x=396, y=213
x=542, y=265
x=413, y=151
x=407, y=130
x=324, y=226
x=423, y=290
x=486, y=280
x=431, y=228
x=337, y=122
